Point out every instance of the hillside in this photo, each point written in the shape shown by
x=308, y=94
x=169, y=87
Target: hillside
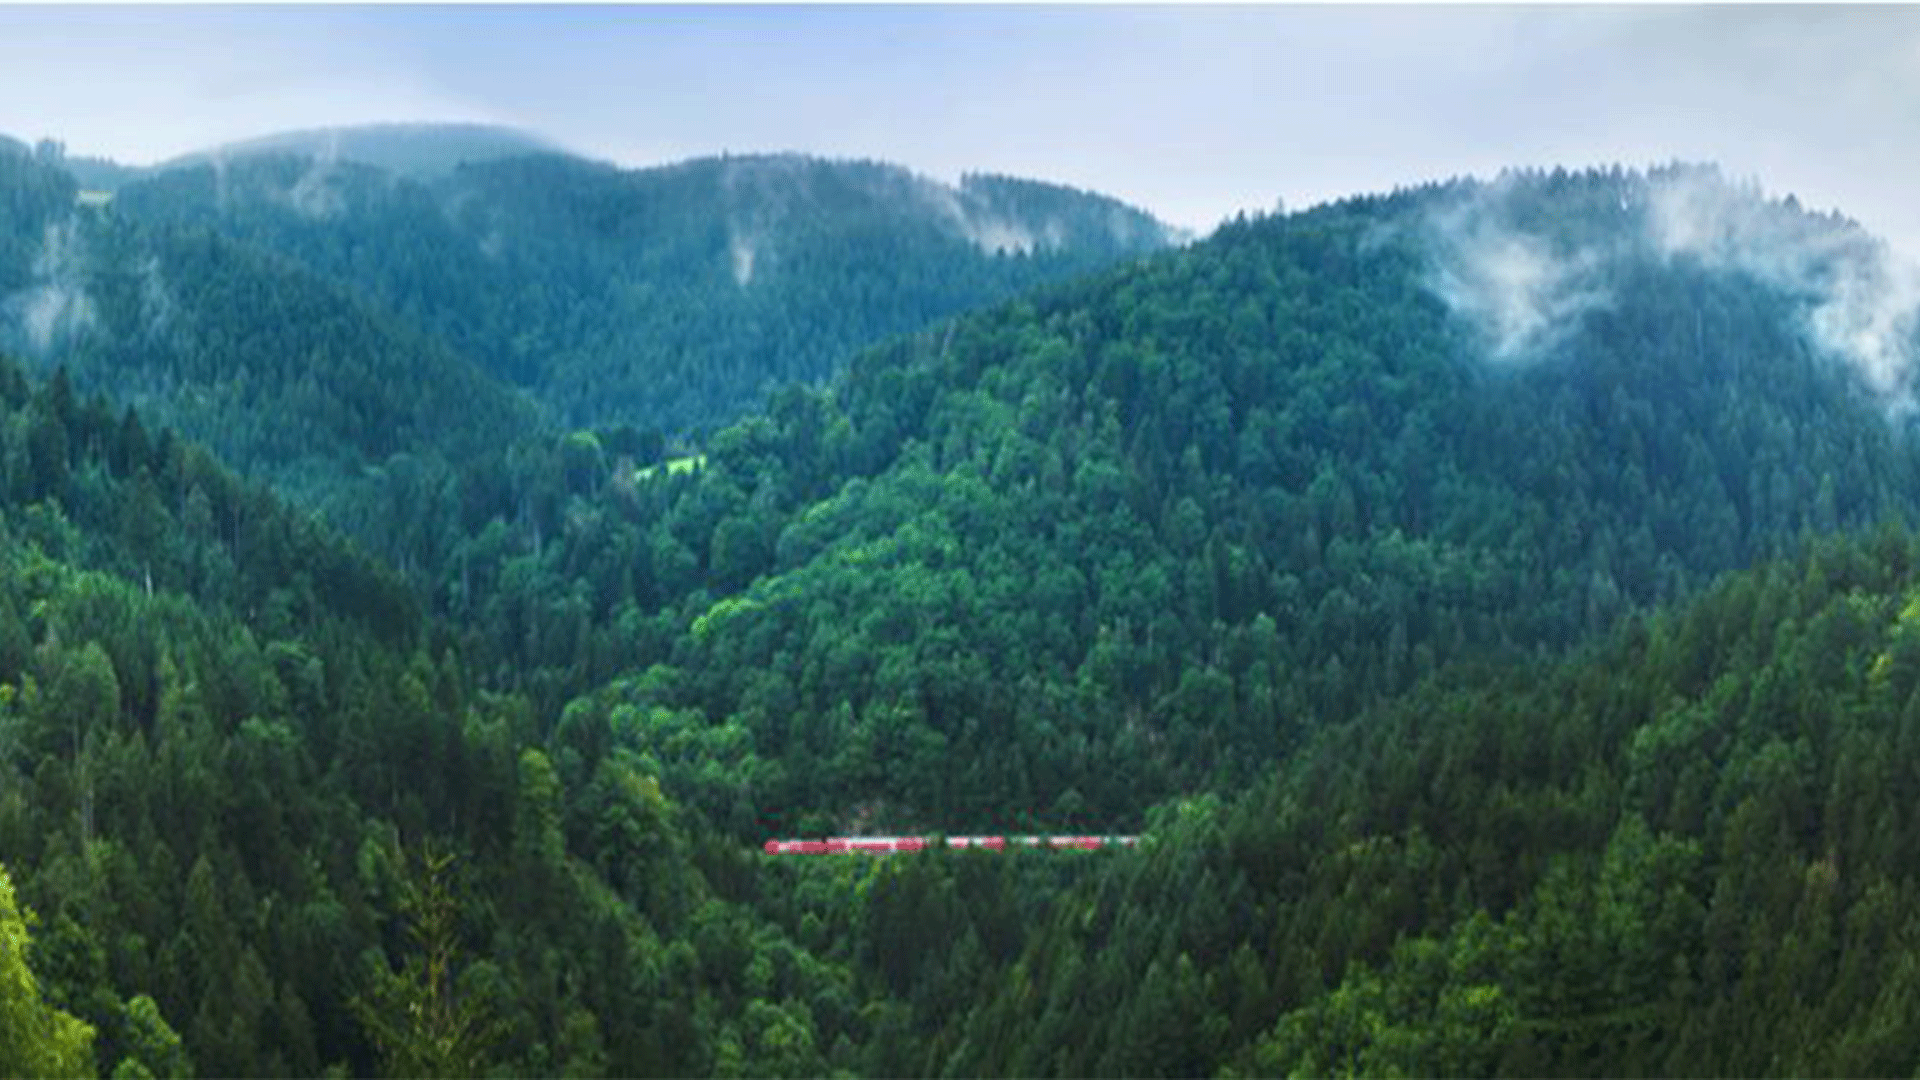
x=1278, y=546
x=1139, y=536
x=415, y=150
x=1682, y=854
x=668, y=298
x=243, y=784
x=33, y=196
x=294, y=378
x=1494, y=603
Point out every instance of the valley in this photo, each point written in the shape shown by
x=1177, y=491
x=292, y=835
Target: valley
x=441, y=569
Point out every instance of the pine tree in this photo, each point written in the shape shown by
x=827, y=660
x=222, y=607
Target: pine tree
x=421, y=1026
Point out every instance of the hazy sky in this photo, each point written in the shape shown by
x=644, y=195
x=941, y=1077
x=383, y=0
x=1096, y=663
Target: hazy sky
x=1191, y=112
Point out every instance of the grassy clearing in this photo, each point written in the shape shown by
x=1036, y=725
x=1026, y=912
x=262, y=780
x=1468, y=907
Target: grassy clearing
x=673, y=467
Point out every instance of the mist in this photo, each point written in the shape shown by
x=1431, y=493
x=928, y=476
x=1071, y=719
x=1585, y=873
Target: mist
x=314, y=196
x=1524, y=289
x=157, y=308
x=55, y=306
x=1506, y=282
x=1863, y=296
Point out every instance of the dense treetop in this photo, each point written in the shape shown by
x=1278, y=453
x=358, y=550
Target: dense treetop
x=1133, y=537
x=1492, y=600
x=669, y=297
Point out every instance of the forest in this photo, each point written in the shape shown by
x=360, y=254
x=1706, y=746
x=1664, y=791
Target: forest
x=425, y=591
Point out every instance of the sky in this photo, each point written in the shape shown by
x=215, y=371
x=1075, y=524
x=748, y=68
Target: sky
x=1192, y=112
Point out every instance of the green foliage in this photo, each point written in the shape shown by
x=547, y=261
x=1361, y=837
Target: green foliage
x=416, y=1017
x=34, y=193
x=1511, y=872
x=153, y=1049
x=1243, y=542
x=669, y=297
x=210, y=739
x=1143, y=534
x=36, y=1039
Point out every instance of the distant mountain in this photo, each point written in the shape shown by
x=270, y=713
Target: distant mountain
x=101, y=174
x=311, y=317
x=1355, y=556
x=671, y=297
x=287, y=374
x=33, y=196
x=417, y=150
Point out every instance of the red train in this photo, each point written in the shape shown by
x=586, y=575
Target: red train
x=887, y=845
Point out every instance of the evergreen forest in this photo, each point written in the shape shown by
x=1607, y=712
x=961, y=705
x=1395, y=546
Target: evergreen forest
x=432, y=565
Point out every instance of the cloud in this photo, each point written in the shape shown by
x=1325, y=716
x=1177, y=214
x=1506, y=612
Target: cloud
x=1818, y=100
x=1861, y=297
x=743, y=249
x=1525, y=287
x=971, y=217
x=1868, y=319
x=1510, y=284
x=157, y=308
x=56, y=306
x=758, y=193
x=314, y=195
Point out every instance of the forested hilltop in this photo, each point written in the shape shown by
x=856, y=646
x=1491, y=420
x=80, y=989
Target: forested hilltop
x=667, y=298
x=292, y=377
x=1373, y=561
x=357, y=314
x=1136, y=536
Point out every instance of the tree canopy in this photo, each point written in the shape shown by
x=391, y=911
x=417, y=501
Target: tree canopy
x=1494, y=604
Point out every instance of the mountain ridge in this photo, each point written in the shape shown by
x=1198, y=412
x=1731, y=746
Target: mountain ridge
x=671, y=296
x=1495, y=598
x=412, y=148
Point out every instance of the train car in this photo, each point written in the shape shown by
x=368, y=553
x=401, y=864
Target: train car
x=890, y=845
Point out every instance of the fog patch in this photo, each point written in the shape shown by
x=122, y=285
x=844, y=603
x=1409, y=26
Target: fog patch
x=969, y=217
x=1525, y=287
x=55, y=307
x=945, y=204
x=480, y=222
x=493, y=245
x=315, y=196
x=1129, y=230
x=1868, y=319
x=743, y=250
x=1520, y=294
x=999, y=236
x=221, y=193
x=157, y=308
x=1862, y=298
x=759, y=194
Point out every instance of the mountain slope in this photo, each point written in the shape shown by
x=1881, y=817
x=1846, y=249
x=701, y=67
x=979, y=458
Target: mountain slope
x=1159, y=545
x=669, y=297
x=1139, y=535
x=292, y=376
x=247, y=789
x=1681, y=854
x=33, y=196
